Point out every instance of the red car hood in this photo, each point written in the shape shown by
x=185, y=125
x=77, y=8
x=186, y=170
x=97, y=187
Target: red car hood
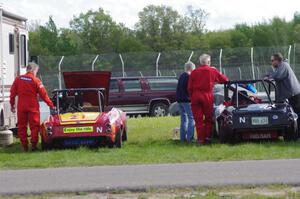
x=88, y=79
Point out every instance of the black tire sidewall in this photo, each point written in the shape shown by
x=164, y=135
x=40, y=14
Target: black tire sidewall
x=159, y=104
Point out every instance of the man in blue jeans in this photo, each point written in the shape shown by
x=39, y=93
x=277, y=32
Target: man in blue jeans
x=182, y=96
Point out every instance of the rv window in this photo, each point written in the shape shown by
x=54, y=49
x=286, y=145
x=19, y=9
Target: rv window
x=11, y=44
x=23, y=50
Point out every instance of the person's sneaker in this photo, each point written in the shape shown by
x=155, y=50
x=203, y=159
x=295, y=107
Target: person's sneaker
x=207, y=141
x=25, y=148
x=200, y=143
x=34, y=148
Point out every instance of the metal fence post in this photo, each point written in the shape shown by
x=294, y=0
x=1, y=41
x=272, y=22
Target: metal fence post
x=191, y=55
x=252, y=63
x=258, y=72
x=156, y=69
x=224, y=71
x=289, y=54
x=59, y=72
x=175, y=75
x=123, y=67
x=240, y=72
x=94, y=61
x=220, y=59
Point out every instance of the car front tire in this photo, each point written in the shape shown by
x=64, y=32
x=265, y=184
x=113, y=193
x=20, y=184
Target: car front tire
x=119, y=140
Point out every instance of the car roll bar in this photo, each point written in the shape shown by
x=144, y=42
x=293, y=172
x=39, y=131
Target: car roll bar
x=228, y=86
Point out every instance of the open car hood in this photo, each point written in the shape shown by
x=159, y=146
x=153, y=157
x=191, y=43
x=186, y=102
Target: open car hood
x=88, y=79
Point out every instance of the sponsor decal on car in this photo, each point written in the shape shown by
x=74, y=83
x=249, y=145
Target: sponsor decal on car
x=84, y=129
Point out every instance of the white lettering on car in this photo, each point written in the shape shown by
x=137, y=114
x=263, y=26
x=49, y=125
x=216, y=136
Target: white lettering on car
x=242, y=120
x=99, y=130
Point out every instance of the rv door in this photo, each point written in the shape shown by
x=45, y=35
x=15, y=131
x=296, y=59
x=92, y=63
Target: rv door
x=21, y=51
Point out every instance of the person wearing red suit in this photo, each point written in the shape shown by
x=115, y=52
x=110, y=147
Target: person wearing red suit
x=200, y=87
x=27, y=87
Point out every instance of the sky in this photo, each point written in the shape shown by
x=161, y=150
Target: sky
x=223, y=14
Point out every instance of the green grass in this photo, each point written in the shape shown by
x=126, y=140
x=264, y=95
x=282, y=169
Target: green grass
x=149, y=141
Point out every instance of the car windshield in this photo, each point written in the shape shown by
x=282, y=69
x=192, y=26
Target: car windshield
x=78, y=101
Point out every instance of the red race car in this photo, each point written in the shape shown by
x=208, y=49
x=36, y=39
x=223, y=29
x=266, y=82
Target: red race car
x=80, y=117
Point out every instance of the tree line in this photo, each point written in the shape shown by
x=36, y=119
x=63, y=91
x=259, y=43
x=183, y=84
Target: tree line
x=159, y=28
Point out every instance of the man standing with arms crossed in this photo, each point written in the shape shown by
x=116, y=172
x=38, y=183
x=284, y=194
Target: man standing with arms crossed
x=27, y=87
x=201, y=83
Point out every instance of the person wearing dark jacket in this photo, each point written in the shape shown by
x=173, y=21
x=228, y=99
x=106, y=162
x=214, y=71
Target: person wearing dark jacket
x=288, y=87
x=182, y=96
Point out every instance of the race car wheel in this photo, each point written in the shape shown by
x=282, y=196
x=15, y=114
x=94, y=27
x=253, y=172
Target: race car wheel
x=45, y=146
x=119, y=140
x=159, y=110
x=124, y=135
x=216, y=130
x=225, y=135
x=291, y=133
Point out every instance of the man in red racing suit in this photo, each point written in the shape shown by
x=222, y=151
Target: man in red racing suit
x=27, y=87
x=201, y=83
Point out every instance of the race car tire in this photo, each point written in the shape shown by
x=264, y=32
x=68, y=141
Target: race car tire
x=119, y=140
x=225, y=135
x=216, y=130
x=45, y=146
x=291, y=133
x=124, y=135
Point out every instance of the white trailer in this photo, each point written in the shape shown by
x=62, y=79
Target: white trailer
x=13, y=59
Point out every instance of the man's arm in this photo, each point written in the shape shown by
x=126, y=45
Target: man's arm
x=43, y=93
x=13, y=94
x=190, y=84
x=279, y=74
x=220, y=78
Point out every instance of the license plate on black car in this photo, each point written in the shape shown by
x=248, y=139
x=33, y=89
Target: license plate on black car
x=259, y=120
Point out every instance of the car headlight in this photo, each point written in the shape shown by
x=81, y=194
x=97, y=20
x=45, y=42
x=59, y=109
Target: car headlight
x=49, y=130
x=108, y=128
x=228, y=119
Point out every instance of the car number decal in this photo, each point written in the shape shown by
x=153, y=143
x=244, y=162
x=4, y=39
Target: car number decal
x=84, y=129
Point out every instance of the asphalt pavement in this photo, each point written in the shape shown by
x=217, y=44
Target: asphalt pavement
x=139, y=177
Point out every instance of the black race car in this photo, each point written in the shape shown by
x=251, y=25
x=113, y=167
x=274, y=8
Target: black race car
x=246, y=116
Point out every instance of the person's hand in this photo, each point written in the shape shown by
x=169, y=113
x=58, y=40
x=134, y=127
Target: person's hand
x=13, y=109
x=53, y=110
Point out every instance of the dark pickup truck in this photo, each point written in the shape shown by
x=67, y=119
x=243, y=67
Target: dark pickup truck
x=143, y=95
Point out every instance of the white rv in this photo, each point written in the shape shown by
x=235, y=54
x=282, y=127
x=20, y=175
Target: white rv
x=13, y=59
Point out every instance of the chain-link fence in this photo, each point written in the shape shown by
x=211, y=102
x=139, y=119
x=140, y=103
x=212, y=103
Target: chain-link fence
x=236, y=63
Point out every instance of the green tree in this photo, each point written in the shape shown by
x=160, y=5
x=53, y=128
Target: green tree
x=98, y=32
x=160, y=27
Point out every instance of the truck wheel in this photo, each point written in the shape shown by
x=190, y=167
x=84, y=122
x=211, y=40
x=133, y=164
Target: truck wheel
x=45, y=146
x=119, y=140
x=291, y=133
x=159, y=109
